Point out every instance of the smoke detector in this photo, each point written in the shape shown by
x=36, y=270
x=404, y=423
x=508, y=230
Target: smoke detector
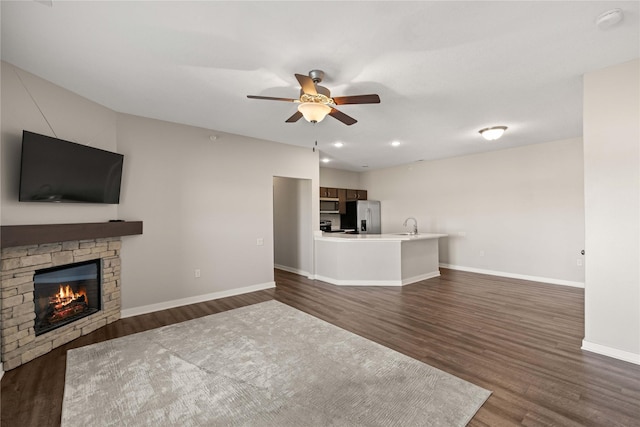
x=609, y=19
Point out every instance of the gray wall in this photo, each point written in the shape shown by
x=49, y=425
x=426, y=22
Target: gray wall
x=72, y=118
x=204, y=203
x=612, y=210
x=515, y=212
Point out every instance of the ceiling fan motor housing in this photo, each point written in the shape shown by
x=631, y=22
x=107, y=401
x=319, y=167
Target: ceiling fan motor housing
x=316, y=75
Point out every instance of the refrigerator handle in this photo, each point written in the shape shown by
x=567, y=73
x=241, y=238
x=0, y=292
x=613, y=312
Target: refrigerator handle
x=363, y=225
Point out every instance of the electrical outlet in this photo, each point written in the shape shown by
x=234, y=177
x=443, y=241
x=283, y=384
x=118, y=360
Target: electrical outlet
x=481, y=253
x=197, y=272
x=579, y=262
x=462, y=233
x=259, y=241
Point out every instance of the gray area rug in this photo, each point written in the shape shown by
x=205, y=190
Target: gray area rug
x=262, y=365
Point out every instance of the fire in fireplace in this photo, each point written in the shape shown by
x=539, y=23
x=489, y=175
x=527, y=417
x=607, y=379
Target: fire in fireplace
x=65, y=294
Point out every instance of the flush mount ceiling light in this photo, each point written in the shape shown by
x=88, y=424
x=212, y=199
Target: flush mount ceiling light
x=609, y=19
x=492, y=133
x=395, y=143
x=338, y=144
x=326, y=160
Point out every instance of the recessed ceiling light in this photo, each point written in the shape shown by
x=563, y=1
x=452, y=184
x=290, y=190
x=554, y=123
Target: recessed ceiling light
x=325, y=160
x=338, y=144
x=395, y=143
x=492, y=133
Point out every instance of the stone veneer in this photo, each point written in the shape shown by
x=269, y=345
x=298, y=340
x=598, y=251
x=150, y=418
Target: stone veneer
x=17, y=311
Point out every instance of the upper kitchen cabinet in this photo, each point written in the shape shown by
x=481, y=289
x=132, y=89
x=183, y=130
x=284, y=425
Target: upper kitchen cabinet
x=342, y=195
x=356, y=194
x=330, y=193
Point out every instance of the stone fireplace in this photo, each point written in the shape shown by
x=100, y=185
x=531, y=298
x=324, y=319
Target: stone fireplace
x=29, y=279
x=19, y=265
x=66, y=294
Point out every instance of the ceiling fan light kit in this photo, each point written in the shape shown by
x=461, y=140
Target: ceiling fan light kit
x=314, y=112
x=492, y=133
x=316, y=102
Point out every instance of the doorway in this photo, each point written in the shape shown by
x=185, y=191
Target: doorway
x=292, y=228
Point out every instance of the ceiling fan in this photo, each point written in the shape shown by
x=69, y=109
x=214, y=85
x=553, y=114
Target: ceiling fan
x=315, y=101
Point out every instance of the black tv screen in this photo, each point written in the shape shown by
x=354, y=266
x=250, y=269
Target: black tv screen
x=54, y=170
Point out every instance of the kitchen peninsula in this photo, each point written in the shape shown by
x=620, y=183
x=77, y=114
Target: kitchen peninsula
x=376, y=259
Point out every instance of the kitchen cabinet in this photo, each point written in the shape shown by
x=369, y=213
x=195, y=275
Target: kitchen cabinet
x=356, y=194
x=342, y=201
x=342, y=195
x=326, y=192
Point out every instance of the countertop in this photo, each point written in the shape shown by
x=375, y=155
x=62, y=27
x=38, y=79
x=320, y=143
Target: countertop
x=390, y=237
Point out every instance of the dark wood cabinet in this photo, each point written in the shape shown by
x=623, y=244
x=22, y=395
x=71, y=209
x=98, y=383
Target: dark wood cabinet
x=342, y=201
x=356, y=195
x=327, y=192
x=342, y=195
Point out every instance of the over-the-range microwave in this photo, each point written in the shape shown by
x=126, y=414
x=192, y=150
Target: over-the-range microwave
x=329, y=206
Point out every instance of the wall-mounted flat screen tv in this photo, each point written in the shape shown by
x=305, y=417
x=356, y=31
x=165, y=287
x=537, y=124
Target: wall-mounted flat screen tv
x=54, y=170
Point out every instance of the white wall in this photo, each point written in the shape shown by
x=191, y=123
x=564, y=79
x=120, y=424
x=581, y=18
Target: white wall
x=516, y=212
x=204, y=203
x=612, y=211
x=292, y=230
x=72, y=118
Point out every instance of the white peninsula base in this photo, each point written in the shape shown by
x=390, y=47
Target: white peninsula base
x=376, y=259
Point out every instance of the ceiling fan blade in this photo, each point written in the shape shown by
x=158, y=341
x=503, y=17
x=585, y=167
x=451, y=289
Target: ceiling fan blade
x=296, y=116
x=347, y=120
x=271, y=98
x=357, y=99
x=307, y=84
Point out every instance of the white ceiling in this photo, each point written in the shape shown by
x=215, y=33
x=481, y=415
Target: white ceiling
x=443, y=70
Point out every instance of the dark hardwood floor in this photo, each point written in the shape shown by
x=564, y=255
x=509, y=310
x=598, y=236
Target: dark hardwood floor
x=519, y=339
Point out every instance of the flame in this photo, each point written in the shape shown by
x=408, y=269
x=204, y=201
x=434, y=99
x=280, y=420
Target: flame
x=66, y=295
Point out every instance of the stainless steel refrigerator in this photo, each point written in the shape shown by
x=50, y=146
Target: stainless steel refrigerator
x=363, y=216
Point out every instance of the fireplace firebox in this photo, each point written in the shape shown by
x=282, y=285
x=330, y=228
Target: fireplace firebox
x=65, y=294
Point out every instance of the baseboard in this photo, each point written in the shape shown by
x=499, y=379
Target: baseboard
x=515, y=276
x=293, y=270
x=136, y=311
x=401, y=282
x=425, y=276
x=626, y=356
x=358, y=282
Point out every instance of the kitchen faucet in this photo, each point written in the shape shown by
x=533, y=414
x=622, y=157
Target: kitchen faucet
x=415, y=224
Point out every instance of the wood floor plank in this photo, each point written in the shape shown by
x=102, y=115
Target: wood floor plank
x=517, y=338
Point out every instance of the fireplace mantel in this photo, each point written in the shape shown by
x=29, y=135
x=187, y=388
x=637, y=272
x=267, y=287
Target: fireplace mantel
x=22, y=235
